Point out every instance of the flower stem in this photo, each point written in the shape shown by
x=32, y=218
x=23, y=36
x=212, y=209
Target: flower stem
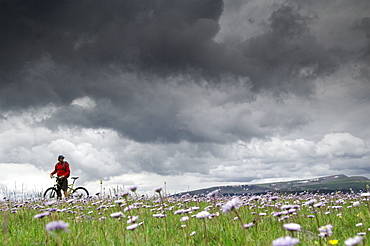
x=242, y=224
x=165, y=217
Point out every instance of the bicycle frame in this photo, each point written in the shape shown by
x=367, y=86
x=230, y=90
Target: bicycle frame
x=70, y=186
x=52, y=192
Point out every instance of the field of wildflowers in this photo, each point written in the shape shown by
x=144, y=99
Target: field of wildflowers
x=130, y=219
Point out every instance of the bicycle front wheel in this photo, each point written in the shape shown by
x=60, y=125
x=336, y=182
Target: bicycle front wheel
x=51, y=193
x=80, y=192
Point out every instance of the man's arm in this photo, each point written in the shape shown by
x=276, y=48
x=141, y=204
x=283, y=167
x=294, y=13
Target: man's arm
x=53, y=172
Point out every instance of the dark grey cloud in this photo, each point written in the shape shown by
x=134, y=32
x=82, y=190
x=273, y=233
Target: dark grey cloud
x=119, y=53
x=364, y=70
x=288, y=56
x=83, y=34
x=364, y=25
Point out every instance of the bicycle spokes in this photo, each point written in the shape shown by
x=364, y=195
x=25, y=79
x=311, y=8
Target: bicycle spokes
x=51, y=193
x=80, y=192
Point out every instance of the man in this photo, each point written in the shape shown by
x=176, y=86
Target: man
x=62, y=170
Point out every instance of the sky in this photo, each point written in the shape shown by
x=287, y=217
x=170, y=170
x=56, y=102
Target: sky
x=183, y=94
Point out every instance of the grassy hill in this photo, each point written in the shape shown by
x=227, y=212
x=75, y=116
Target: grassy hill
x=323, y=185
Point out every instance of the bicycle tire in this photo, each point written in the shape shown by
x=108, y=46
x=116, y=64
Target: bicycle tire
x=82, y=191
x=51, y=193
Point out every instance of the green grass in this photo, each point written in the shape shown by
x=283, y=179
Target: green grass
x=90, y=221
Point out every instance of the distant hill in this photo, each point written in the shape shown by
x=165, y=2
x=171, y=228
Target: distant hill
x=323, y=185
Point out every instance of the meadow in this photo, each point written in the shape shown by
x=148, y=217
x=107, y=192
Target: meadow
x=127, y=218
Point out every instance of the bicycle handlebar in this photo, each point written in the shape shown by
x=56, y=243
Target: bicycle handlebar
x=56, y=177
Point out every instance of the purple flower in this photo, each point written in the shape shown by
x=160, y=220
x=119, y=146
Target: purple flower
x=278, y=214
x=285, y=241
x=123, y=194
x=159, y=215
x=213, y=193
x=185, y=218
x=119, y=201
x=249, y=225
x=318, y=205
x=356, y=204
x=42, y=215
x=235, y=203
x=49, y=203
x=353, y=241
x=284, y=218
x=326, y=231
x=310, y=202
x=202, y=215
x=132, y=219
x=117, y=215
x=158, y=190
x=180, y=211
x=132, y=227
x=292, y=227
x=133, y=188
x=57, y=226
x=254, y=198
x=130, y=207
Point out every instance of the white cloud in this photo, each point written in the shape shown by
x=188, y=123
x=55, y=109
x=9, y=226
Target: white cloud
x=23, y=179
x=342, y=145
x=85, y=102
x=102, y=154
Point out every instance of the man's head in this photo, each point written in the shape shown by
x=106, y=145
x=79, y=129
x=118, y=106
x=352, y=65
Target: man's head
x=60, y=158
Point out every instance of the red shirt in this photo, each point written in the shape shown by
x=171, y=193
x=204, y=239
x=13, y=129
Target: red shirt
x=59, y=170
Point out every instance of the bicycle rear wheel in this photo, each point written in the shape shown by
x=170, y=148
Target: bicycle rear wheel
x=51, y=193
x=80, y=192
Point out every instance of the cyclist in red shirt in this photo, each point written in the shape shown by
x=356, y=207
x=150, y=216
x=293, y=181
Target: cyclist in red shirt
x=62, y=170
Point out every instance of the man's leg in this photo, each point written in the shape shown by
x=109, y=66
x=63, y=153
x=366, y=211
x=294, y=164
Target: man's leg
x=59, y=194
x=66, y=194
x=65, y=187
x=59, y=189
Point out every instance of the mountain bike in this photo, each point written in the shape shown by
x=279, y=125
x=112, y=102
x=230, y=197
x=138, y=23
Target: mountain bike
x=80, y=192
